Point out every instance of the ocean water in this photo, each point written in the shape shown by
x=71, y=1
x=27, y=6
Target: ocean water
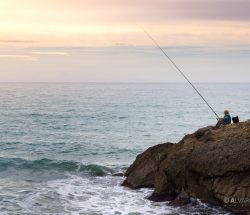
x=61, y=142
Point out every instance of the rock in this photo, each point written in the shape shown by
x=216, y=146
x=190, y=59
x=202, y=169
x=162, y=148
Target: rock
x=182, y=199
x=210, y=164
x=118, y=174
x=146, y=166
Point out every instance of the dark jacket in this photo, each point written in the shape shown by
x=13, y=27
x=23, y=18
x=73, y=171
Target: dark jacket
x=227, y=119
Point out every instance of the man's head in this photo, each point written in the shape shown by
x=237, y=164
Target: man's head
x=226, y=112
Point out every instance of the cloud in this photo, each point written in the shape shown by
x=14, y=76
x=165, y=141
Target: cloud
x=18, y=41
x=157, y=10
x=109, y=22
x=208, y=9
x=19, y=57
x=51, y=53
x=110, y=12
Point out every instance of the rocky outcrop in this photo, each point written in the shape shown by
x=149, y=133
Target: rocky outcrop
x=210, y=164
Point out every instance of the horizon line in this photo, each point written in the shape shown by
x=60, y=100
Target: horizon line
x=121, y=82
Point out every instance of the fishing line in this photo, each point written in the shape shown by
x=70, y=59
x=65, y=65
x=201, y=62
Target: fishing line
x=179, y=70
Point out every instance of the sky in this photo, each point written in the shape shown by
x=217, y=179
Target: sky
x=103, y=41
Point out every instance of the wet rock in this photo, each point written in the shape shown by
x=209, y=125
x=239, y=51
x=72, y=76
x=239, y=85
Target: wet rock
x=211, y=164
x=146, y=165
x=118, y=174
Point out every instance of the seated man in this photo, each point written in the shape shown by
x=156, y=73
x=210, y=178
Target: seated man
x=225, y=120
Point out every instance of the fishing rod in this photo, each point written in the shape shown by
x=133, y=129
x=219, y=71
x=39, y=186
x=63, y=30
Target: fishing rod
x=179, y=70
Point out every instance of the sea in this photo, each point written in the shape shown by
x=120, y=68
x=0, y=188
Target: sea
x=61, y=143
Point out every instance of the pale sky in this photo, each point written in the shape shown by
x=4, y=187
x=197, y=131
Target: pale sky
x=95, y=40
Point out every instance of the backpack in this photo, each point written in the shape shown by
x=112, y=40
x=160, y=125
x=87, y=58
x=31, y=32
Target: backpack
x=236, y=119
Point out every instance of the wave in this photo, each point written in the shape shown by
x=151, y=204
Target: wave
x=53, y=165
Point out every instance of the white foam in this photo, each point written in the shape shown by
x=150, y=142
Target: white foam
x=104, y=195
x=93, y=195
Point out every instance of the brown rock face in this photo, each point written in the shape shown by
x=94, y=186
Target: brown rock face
x=211, y=164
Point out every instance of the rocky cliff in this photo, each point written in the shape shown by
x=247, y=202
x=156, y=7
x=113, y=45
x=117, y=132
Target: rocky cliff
x=210, y=164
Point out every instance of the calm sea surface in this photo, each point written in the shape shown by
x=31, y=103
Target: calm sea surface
x=60, y=143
